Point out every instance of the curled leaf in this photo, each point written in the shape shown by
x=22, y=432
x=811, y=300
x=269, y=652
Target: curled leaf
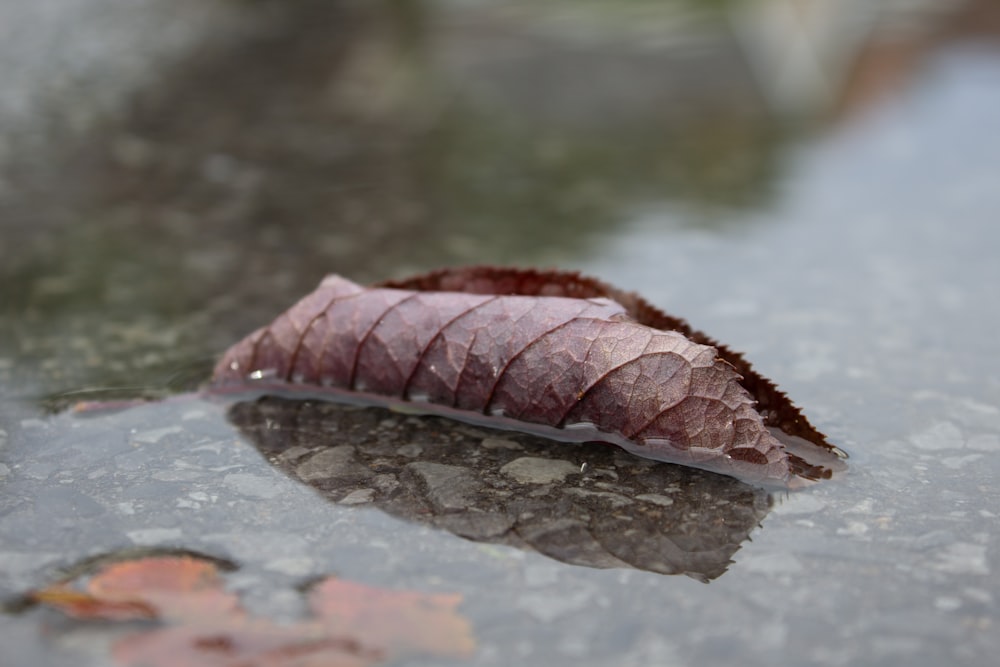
x=552, y=353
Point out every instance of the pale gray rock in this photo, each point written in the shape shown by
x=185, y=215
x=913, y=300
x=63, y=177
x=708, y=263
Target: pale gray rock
x=533, y=470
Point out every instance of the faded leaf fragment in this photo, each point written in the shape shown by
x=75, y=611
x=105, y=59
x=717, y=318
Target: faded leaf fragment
x=204, y=626
x=402, y=622
x=176, y=587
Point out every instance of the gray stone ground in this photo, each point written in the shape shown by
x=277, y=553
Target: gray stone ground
x=240, y=156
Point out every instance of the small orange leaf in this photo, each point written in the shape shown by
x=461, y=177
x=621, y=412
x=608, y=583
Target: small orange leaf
x=401, y=622
x=176, y=586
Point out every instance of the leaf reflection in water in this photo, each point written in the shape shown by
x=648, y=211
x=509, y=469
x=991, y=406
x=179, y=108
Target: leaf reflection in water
x=592, y=504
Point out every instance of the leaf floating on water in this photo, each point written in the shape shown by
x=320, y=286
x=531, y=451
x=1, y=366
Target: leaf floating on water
x=352, y=626
x=553, y=353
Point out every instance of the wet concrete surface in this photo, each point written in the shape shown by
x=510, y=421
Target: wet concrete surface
x=851, y=257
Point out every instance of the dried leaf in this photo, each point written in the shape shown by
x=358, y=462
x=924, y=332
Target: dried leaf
x=552, y=353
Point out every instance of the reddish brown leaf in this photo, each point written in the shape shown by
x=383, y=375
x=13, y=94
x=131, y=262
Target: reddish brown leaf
x=553, y=353
x=402, y=622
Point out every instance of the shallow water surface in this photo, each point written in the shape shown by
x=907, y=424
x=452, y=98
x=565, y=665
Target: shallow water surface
x=840, y=231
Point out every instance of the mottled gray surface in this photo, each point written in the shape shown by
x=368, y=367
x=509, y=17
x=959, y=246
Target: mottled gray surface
x=854, y=263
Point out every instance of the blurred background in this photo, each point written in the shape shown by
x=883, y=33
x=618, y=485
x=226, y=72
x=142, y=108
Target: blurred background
x=172, y=172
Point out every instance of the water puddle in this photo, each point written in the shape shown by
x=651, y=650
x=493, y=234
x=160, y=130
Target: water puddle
x=582, y=504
